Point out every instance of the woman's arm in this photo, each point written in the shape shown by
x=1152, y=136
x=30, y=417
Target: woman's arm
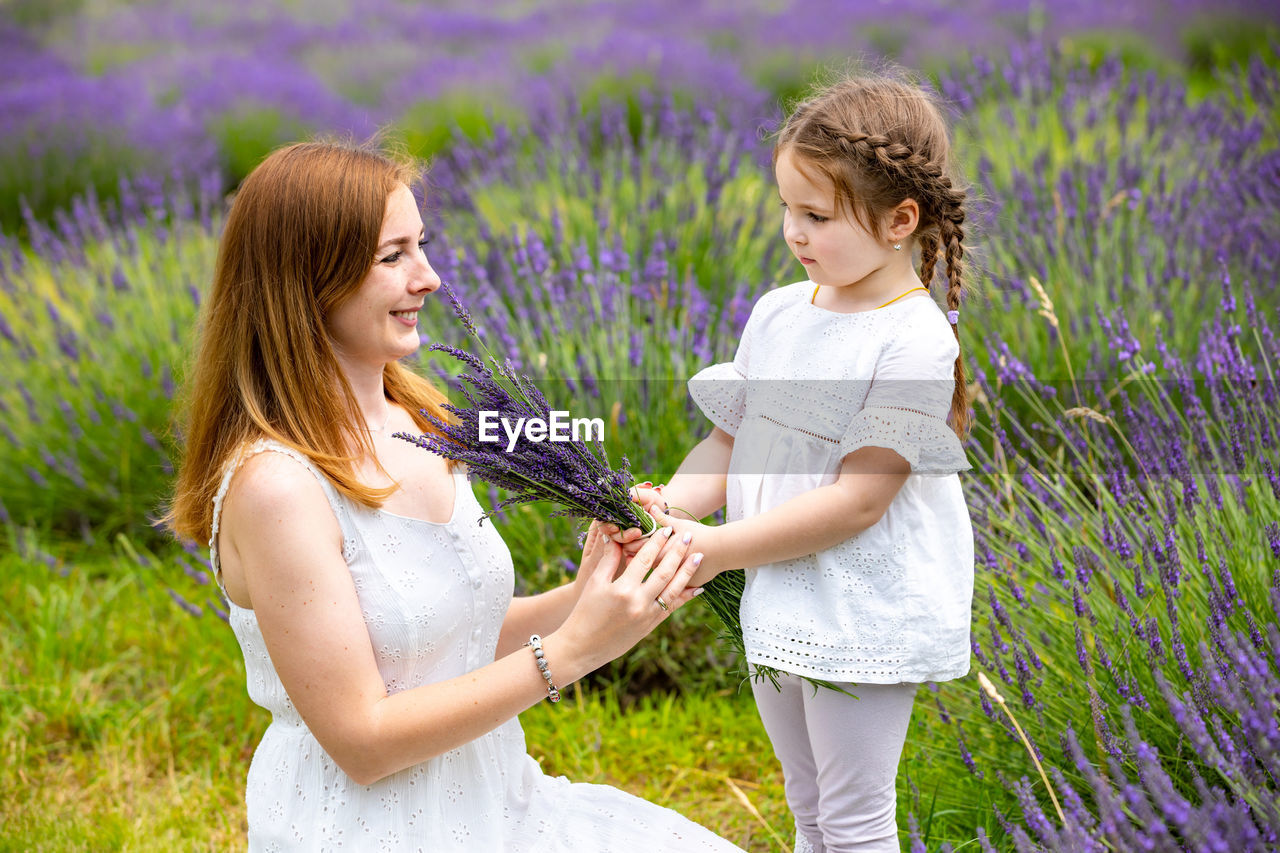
x=278, y=527
x=538, y=614
x=869, y=480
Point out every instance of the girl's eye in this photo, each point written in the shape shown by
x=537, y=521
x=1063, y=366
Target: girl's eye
x=391, y=258
x=816, y=218
x=423, y=243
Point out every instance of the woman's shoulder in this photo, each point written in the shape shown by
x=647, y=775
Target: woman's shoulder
x=267, y=476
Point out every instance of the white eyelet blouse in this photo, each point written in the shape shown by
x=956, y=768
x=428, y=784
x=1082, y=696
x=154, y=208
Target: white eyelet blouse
x=807, y=387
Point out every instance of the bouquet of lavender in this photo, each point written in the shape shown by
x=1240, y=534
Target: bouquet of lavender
x=573, y=474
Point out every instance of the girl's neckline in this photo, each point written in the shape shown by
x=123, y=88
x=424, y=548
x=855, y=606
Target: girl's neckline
x=907, y=296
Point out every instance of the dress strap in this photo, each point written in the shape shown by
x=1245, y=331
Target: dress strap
x=233, y=465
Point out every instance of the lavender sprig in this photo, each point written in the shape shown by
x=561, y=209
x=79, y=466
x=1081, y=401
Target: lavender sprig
x=575, y=475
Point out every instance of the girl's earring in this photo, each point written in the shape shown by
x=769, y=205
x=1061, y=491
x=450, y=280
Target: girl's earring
x=897, y=247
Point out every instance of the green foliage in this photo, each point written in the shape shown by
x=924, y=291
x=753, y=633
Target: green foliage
x=1217, y=42
x=1136, y=53
x=45, y=180
x=430, y=126
x=99, y=344
x=40, y=14
x=247, y=134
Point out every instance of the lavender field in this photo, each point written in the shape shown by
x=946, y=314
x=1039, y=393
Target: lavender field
x=599, y=195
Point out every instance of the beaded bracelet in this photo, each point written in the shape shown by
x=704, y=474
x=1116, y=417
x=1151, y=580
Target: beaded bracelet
x=541, y=659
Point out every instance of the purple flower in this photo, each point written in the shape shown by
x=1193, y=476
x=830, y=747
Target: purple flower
x=573, y=474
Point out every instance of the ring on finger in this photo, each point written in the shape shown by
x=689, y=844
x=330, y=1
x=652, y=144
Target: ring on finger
x=663, y=605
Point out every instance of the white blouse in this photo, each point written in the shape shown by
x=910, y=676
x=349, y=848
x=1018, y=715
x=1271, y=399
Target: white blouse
x=807, y=387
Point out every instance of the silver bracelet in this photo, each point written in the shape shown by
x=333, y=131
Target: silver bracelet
x=553, y=693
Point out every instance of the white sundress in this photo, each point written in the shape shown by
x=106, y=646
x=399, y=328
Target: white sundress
x=807, y=387
x=434, y=597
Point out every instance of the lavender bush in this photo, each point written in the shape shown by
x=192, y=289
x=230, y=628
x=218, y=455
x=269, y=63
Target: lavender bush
x=1126, y=485
x=95, y=319
x=1116, y=186
x=167, y=89
x=1128, y=593
x=62, y=132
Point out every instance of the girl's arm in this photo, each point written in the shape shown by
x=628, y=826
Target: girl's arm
x=698, y=485
x=870, y=478
x=281, y=535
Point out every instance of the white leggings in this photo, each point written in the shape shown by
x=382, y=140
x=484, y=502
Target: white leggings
x=839, y=759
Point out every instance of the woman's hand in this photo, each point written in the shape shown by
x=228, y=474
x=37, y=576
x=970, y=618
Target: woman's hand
x=646, y=495
x=592, y=554
x=708, y=539
x=621, y=604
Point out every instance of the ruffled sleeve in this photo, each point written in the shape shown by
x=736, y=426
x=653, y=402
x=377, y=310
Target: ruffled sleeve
x=909, y=401
x=721, y=392
x=721, y=389
x=927, y=442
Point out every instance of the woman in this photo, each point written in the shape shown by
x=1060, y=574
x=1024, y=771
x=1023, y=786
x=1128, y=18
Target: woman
x=375, y=616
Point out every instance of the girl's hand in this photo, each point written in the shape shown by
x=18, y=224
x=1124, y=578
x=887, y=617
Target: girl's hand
x=647, y=494
x=620, y=605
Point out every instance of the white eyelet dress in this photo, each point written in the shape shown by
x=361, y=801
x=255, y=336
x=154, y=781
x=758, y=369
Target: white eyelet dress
x=433, y=597
x=806, y=388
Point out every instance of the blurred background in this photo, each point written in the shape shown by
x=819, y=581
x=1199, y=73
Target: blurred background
x=598, y=193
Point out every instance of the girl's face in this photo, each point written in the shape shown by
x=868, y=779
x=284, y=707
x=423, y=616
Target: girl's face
x=835, y=248
x=378, y=323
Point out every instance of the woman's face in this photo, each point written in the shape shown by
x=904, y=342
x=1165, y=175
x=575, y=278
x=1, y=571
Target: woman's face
x=378, y=323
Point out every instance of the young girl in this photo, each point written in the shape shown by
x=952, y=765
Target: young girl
x=836, y=445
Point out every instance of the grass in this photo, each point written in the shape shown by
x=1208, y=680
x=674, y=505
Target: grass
x=119, y=721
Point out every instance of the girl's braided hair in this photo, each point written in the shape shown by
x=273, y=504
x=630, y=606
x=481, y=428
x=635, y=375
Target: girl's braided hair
x=880, y=139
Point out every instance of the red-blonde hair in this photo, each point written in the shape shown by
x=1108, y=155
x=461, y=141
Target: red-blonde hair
x=299, y=240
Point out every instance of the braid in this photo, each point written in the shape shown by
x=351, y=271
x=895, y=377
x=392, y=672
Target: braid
x=952, y=235
x=928, y=257
x=902, y=164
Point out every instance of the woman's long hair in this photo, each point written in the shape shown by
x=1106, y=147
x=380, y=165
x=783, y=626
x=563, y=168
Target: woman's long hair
x=299, y=240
